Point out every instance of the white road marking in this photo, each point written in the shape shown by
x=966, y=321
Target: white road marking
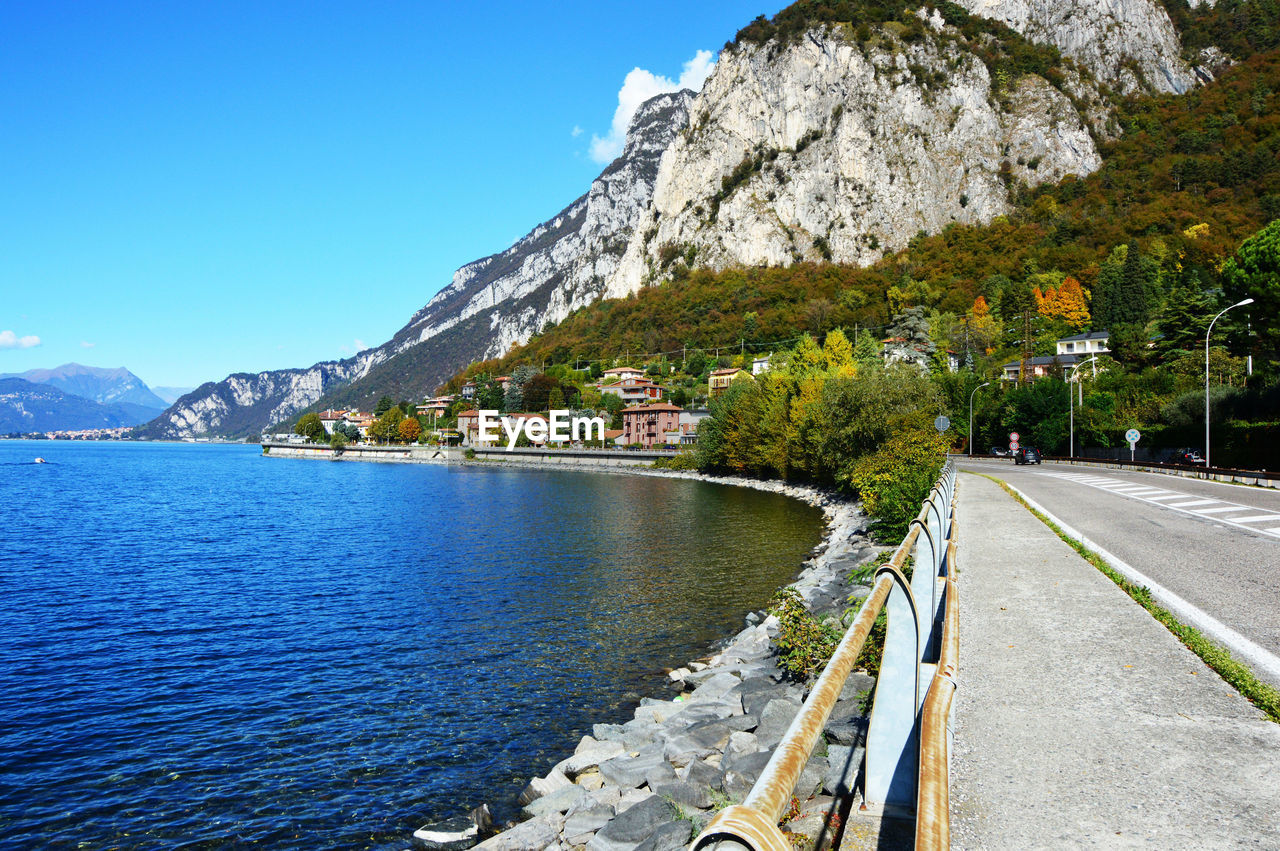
x=1207, y=509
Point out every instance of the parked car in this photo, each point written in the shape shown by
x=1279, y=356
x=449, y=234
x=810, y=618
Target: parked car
x=1187, y=456
x=1026, y=455
x=999, y=452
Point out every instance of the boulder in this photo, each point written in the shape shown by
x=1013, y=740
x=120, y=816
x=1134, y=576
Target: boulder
x=589, y=756
x=702, y=773
x=586, y=820
x=533, y=835
x=673, y=836
x=742, y=775
x=628, y=772
x=685, y=795
x=557, y=802
x=626, y=831
x=540, y=786
x=715, y=686
x=455, y=834
x=774, y=721
x=841, y=770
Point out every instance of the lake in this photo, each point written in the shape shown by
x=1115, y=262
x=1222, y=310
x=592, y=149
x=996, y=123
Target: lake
x=206, y=648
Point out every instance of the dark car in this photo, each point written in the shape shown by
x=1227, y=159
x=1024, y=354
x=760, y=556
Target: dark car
x=1026, y=455
x=999, y=452
x=1187, y=456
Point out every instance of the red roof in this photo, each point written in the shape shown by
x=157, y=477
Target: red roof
x=727, y=371
x=661, y=406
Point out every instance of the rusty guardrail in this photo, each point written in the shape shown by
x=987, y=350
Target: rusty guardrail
x=753, y=824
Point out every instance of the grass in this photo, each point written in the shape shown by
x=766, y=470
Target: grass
x=1235, y=673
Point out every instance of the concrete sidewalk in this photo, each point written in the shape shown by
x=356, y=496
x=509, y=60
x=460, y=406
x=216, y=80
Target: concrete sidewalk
x=1080, y=720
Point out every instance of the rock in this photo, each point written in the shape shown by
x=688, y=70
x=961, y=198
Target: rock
x=740, y=744
x=841, y=770
x=630, y=798
x=590, y=780
x=702, y=773
x=810, y=782
x=586, y=820
x=755, y=692
x=628, y=772
x=533, y=835
x=742, y=775
x=557, y=802
x=682, y=794
x=540, y=786
x=589, y=756
x=456, y=834
x=774, y=721
x=610, y=796
x=482, y=818
x=715, y=686
x=697, y=666
x=673, y=836
x=607, y=732
x=726, y=706
x=639, y=823
x=678, y=675
x=847, y=732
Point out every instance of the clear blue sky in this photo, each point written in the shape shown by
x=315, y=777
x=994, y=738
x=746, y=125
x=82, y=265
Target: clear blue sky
x=194, y=189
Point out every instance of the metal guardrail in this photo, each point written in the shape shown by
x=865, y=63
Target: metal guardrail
x=908, y=738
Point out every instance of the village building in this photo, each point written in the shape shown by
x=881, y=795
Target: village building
x=646, y=425
x=720, y=379
x=634, y=391
x=623, y=373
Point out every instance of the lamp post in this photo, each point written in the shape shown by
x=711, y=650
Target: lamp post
x=1071, y=447
x=1207, y=465
x=975, y=390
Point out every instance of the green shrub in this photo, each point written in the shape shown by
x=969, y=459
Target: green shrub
x=686, y=460
x=894, y=481
x=804, y=644
x=470, y=454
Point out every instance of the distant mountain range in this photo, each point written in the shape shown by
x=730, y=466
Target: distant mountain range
x=72, y=397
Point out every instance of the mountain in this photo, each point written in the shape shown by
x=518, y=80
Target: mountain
x=105, y=386
x=559, y=266
x=26, y=406
x=837, y=131
x=171, y=394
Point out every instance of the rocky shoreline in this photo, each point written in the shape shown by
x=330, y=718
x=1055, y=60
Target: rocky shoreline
x=654, y=782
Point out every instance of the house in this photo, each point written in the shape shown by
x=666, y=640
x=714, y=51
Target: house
x=469, y=390
x=761, y=365
x=623, y=373
x=331, y=418
x=1039, y=367
x=435, y=407
x=686, y=431
x=720, y=379
x=469, y=426
x=635, y=391
x=613, y=437
x=361, y=420
x=1090, y=343
x=646, y=424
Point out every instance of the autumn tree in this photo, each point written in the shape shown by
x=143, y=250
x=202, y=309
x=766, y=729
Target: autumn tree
x=1065, y=304
x=310, y=427
x=409, y=430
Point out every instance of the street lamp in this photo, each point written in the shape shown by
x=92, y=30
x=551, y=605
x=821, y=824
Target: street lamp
x=1207, y=465
x=1071, y=448
x=975, y=390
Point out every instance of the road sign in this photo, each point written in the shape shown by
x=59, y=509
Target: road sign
x=1013, y=446
x=1014, y=436
x=942, y=424
x=1132, y=435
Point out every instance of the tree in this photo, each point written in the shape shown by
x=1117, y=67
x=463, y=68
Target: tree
x=910, y=339
x=385, y=404
x=310, y=427
x=866, y=352
x=1254, y=272
x=837, y=354
x=409, y=430
x=1066, y=304
x=536, y=395
x=387, y=426
x=489, y=395
x=1182, y=323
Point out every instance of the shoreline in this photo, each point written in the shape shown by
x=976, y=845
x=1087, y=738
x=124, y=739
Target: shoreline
x=667, y=771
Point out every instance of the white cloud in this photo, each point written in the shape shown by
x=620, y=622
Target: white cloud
x=85, y=344
x=576, y=131
x=10, y=340
x=357, y=346
x=638, y=87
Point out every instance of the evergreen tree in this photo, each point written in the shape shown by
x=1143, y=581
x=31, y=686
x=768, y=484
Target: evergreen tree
x=1182, y=323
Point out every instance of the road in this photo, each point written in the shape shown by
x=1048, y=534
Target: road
x=1214, y=545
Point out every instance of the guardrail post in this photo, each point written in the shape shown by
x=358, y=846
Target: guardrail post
x=893, y=738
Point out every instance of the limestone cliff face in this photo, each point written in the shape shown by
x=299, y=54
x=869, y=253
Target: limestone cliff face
x=832, y=149
x=1111, y=38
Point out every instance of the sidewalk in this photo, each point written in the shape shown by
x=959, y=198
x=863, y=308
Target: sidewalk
x=1081, y=721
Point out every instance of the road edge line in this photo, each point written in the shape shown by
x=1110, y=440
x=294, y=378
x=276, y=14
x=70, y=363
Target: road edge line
x=1182, y=613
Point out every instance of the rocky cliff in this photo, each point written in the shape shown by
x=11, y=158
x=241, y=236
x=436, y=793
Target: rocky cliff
x=843, y=149
x=559, y=266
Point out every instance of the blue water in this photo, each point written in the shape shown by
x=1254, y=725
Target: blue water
x=204, y=648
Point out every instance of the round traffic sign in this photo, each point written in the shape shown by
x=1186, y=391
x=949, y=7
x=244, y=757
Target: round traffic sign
x=1013, y=446
x=1132, y=435
x=942, y=424
x=1014, y=436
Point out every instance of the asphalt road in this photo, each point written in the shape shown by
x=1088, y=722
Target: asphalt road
x=1214, y=545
